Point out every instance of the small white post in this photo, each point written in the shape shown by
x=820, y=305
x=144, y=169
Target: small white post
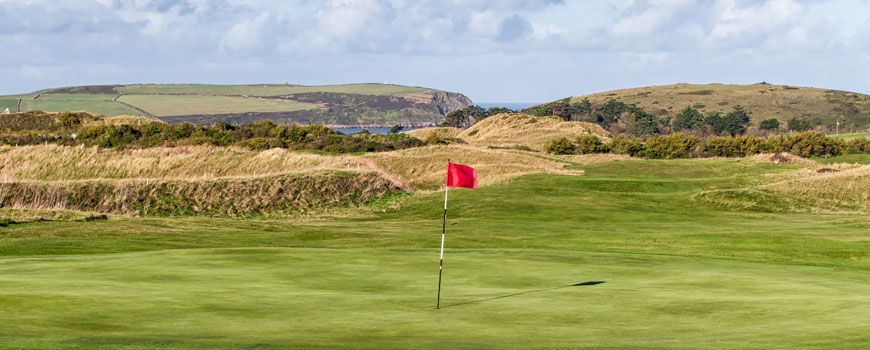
x=255, y=174
x=147, y=181
x=5, y=179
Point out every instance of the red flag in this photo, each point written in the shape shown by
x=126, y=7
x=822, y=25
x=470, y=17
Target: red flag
x=461, y=176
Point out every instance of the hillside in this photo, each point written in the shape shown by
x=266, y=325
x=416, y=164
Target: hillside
x=762, y=101
x=334, y=105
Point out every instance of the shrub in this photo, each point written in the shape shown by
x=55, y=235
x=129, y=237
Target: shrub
x=629, y=146
x=560, y=146
x=769, y=124
x=670, y=146
x=586, y=144
x=796, y=124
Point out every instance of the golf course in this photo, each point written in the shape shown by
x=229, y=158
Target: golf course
x=619, y=254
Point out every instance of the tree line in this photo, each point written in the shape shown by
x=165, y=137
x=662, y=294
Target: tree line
x=679, y=145
x=621, y=118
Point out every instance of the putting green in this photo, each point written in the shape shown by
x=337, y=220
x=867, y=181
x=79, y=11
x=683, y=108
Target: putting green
x=267, y=298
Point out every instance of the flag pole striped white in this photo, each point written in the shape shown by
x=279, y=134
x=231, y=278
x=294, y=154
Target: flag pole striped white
x=443, y=231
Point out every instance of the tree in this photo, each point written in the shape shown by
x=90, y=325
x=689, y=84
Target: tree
x=463, y=118
x=736, y=121
x=688, y=118
x=714, y=120
x=396, y=128
x=796, y=124
x=769, y=124
x=498, y=110
x=643, y=123
x=610, y=113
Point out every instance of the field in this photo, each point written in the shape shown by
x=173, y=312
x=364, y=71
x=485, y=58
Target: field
x=169, y=105
x=855, y=135
x=348, y=104
x=619, y=255
x=269, y=90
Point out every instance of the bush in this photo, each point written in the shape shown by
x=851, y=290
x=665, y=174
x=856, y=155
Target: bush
x=560, y=146
x=586, y=144
x=796, y=124
x=629, y=146
x=670, y=146
x=769, y=124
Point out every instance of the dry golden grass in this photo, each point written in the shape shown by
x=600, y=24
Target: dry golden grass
x=126, y=120
x=411, y=169
x=426, y=168
x=843, y=188
x=509, y=130
x=190, y=162
x=783, y=159
x=596, y=158
x=442, y=132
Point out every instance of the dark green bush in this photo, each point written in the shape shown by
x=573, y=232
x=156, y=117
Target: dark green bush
x=670, y=146
x=587, y=144
x=560, y=146
x=629, y=146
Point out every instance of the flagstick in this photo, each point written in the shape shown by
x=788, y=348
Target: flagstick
x=441, y=263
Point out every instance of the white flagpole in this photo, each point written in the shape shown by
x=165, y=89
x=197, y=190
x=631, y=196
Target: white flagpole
x=441, y=263
x=443, y=230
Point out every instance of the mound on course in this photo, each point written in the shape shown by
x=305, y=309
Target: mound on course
x=510, y=130
x=761, y=101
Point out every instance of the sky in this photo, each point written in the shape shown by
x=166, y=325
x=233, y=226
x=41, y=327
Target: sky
x=489, y=50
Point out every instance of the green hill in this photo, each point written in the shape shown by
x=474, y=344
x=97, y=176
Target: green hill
x=762, y=101
x=350, y=104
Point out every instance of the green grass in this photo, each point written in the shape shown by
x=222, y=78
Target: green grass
x=848, y=158
x=169, y=105
x=270, y=89
x=96, y=104
x=851, y=136
x=677, y=274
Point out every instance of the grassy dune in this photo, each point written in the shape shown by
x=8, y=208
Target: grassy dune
x=762, y=101
x=524, y=130
x=655, y=270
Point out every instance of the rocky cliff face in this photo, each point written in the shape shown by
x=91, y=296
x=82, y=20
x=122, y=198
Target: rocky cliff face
x=447, y=102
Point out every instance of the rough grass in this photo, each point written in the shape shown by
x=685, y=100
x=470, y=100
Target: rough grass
x=277, y=195
x=169, y=105
x=425, y=168
x=418, y=168
x=269, y=90
x=509, y=130
x=442, y=132
x=676, y=275
x=762, y=101
x=850, y=136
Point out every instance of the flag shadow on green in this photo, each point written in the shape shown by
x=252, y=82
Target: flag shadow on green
x=588, y=283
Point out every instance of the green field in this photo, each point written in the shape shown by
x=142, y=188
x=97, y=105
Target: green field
x=93, y=103
x=269, y=90
x=168, y=105
x=622, y=258
x=851, y=136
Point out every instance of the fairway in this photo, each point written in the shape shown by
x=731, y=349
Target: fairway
x=351, y=298
x=622, y=257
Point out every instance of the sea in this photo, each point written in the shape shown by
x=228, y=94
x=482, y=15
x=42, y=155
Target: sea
x=485, y=105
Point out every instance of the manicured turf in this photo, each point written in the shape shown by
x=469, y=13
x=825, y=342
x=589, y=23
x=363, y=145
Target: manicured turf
x=675, y=274
x=852, y=135
x=168, y=105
